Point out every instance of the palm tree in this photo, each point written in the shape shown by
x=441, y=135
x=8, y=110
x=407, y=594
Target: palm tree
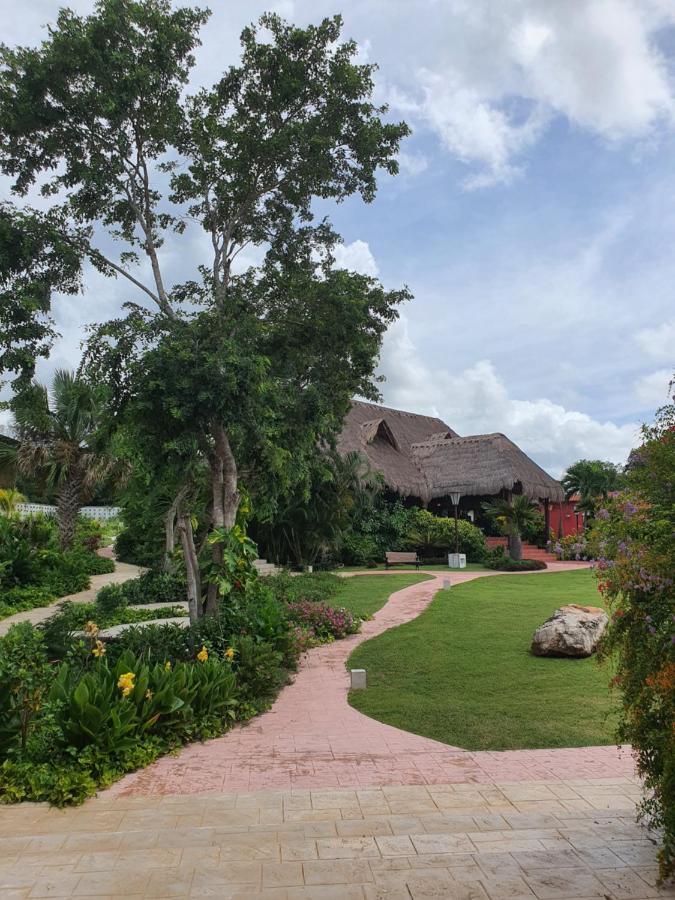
x=590, y=478
x=60, y=436
x=514, y=515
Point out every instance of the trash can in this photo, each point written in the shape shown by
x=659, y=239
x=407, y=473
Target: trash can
x=457, y=560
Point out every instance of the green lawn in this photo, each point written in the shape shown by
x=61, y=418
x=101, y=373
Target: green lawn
x=470, y=567
x=364, y=596
x=462, y=672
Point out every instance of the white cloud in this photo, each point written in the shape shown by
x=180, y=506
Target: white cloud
x=510, y=68
x=652, y=390
x=477, y=401
x=412, y=163
x=356, y=257
x=658, y=343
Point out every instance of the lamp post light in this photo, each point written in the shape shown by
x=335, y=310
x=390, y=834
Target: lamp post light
x=454, y=497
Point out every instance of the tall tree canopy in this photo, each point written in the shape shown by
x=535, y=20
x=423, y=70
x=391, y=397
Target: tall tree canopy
x=243, y=367
x=591, y=479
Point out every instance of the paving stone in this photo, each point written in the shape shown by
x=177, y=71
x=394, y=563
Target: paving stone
x=563, y=884
x=337, y=871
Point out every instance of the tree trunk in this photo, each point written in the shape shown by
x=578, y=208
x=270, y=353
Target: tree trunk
x=515, y=545
x=225, y=498
x=68, y=509
x=194, y=587
x=170, y=528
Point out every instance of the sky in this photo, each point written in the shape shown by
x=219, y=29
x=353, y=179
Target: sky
x=533, y=218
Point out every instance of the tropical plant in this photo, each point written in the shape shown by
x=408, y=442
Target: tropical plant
x=61, y=436
x=635, y=566
x=314, y=521
x=513, y=516
x=9, y=498
x=590, y=479
x=433, y=536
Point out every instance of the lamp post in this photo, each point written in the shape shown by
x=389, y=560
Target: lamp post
x=454, y=497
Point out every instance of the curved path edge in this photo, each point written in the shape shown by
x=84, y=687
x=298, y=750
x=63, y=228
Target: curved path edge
x=312, y=738
x=123, y=572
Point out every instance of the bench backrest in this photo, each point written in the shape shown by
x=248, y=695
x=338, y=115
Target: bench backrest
x=394, y=556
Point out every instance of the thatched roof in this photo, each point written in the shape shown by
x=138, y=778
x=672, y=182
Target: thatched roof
x=421, y=456
x=385, y=436
x=482, y=464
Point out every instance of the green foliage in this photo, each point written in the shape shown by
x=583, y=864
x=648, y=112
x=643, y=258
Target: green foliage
x=258, y=366
x=259, y=671
x=498, y=559
x=592, y=479
x=375, y=529
x=150, y=587
x=633, y=534
x=514, y=517
x=33, y=572
x=433, y=536
x=62, y=439
x=34, y=262
x=25, y=675
x=313, y=523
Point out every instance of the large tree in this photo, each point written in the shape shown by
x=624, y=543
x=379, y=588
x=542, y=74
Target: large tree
x=247, y=367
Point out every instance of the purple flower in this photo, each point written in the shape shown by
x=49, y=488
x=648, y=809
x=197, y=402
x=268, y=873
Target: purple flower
x=603, y=514
x=629, y=509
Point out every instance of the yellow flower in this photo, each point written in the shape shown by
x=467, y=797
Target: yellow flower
x=203, y=654
x=91, y=629
x=167, y=665
x=126, y=683
x=99, y=649
x=229, y=654
x=148, y=694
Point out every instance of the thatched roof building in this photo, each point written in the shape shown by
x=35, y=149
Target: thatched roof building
x=422, y=457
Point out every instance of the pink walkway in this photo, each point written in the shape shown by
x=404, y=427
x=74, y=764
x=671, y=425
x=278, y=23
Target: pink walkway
x=313, y=738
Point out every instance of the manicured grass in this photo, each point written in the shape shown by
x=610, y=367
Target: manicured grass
x=462, y=672
x=470, y=567
x=363, y=596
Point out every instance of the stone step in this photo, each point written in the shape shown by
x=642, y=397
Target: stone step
x=266, y=568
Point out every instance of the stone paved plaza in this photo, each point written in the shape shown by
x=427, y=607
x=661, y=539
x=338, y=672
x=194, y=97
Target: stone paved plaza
x=546, y=840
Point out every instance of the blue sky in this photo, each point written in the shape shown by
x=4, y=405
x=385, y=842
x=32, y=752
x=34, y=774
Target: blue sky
x=533, y=219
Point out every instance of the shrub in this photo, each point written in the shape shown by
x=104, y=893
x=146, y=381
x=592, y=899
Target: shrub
x=432, y=536
x=259, y=671
x=325, y=622
x=574, y=546
x=111, y=599
x=517, y=565
x=155, y=587
x=25, y=676
x=636, y=561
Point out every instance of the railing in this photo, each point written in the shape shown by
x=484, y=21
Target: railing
x=88, y=512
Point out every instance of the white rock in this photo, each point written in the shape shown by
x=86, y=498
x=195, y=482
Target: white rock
x=572, y=630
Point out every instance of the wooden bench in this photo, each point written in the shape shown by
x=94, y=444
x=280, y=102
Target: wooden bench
x=395, y=558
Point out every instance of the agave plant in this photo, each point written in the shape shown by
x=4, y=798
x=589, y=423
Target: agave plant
x=60, y=436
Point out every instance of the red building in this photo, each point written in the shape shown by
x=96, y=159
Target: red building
x=564, y=519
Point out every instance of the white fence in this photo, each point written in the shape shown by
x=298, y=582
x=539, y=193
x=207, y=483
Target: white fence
x=88, y=512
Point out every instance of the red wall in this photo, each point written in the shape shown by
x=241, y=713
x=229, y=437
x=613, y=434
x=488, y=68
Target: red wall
x=572, y=523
